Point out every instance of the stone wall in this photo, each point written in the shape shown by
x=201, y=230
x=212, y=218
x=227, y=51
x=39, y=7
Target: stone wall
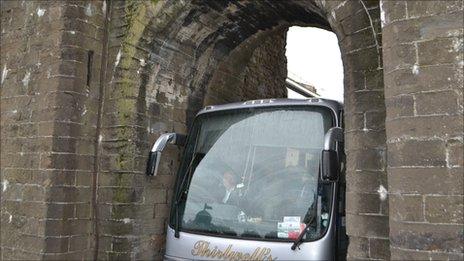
x=357, y=25
x=74, y=147
x=50, y=59
x=267, y=69
x=423, y=59
x=256, y=68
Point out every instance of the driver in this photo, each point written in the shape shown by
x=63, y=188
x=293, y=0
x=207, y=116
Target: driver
x=227, y=188
x=229, y=181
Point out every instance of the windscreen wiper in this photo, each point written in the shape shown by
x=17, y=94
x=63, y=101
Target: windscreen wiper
x=312, y=217
x=180, y=196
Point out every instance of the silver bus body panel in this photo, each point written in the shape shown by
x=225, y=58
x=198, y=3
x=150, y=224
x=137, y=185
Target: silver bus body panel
x=334, y=106
x=183, y=248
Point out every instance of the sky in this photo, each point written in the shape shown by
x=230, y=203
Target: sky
x=313, y=57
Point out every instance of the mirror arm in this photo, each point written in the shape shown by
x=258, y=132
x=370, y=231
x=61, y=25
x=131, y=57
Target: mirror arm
x=164, y=139
x=158, y=147
x=333, y=136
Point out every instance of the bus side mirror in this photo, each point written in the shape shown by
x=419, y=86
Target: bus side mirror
x=330, y=162
x=330, y=166
x=158, y=147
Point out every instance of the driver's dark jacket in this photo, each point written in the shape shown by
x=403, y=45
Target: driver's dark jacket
x=221, y=192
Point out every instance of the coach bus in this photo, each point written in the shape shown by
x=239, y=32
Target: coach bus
x=259, y=180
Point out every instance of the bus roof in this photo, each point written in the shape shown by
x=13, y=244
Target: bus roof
x=331, y=104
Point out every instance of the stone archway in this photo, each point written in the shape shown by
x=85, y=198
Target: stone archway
x=165, y=67
x=99, y=84
x=86, y=86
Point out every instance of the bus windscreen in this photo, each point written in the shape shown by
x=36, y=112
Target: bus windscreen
x=255, y=174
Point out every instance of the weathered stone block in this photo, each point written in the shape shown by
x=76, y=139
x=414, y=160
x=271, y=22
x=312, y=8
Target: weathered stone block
x=423, y=28
x=408, y=254
x=424, y=126
x=161, y=211
x=343, y=11
x=77, y=243
x=120, y=195
x=83, y=210
x=351, y=26
x=123, y=210
x=425, y=180
x=429, y=8
x=367, y=225
x=439, y=51
x=366, y=181
x=34, y=226
x=33, y=193
x=360, y=39
x=404, y=31
x=365, y=101
x=455, y=153
x=427, y=237
x=52, y=177
x=362, y=203
x=68, y=227
x=364, y=59
x=121, y=245
x=370, y=139
x=355, y=80
x=444, y=209
x=406, y=208
x=375, y=120
x=358, y=248
x=56, y=244
x=61, y=210
x=354, y=121
x=379, y=248
x=394, y=10
x=366, y=159
x=415, y=153
x=399, y=106
x=443, y=102
x=399, y=56
x=446, y=255
x=84, y=178
x=118, y=256
x=117, y=228
x=374, y=79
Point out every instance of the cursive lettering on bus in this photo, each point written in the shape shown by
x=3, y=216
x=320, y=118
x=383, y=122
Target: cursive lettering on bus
x=202, y=249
